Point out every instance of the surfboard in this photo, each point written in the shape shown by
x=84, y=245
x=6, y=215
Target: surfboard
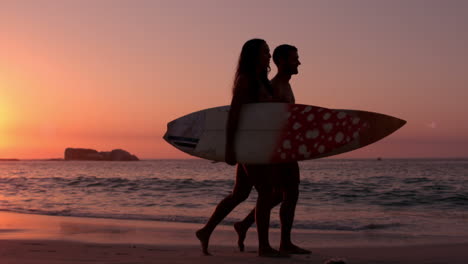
x=279, y=132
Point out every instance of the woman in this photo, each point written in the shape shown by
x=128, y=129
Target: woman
x=251, y=85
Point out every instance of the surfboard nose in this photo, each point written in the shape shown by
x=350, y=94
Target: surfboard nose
x=401, y=123
x=378, y=126
x=386, y=125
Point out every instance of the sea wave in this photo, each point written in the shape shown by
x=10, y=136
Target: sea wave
x=385, y=192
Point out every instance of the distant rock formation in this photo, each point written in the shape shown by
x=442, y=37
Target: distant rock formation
x=91, y=154
x=9, y=159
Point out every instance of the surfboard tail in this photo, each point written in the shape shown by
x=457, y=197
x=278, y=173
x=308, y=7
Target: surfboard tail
x=178, y=139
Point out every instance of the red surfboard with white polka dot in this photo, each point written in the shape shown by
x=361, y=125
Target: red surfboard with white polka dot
x=314, y=131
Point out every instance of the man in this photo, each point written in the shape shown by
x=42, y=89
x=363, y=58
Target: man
x=286, y=178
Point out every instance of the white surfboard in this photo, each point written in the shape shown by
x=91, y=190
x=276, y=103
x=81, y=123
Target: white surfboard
x=279, y=132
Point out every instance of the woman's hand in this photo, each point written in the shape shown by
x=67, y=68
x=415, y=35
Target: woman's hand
x=230, y=156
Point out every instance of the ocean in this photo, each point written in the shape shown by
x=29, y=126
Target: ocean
x=414, y=197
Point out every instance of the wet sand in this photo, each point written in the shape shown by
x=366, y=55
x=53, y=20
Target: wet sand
x=26, y=238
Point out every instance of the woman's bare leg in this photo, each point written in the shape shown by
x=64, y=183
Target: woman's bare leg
x=240, y=192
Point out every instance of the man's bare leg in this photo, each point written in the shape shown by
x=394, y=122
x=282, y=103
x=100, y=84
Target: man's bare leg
x=243, y=226
x=287, y=211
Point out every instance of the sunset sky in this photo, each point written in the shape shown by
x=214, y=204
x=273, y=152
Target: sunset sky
x=111, y=74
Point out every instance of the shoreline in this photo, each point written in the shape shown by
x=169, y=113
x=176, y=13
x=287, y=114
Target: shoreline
x=28, y=238
x=140, y=231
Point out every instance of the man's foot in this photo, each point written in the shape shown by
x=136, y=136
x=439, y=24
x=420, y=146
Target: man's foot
x=241, y=234
x=204, y=240
x=271, y=253
x=293, y=249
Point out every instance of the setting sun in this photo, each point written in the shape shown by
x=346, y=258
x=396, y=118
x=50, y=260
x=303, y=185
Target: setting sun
x=3, y=124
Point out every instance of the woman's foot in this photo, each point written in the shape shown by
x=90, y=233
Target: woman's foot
x=293, y=249
x=204, y=240
x=241, y=234
x=269, y=252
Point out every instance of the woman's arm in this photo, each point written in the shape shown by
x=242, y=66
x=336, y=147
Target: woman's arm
x=238, y=99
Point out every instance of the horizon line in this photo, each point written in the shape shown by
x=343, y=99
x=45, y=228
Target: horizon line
x=200, y=159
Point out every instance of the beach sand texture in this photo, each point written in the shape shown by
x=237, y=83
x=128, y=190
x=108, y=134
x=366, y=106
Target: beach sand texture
x=38, y=239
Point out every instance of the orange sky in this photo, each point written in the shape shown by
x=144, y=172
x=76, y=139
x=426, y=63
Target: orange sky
x=111, y=74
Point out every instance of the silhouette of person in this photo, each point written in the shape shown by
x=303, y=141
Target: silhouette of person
x=286, y=59
x=251, y=85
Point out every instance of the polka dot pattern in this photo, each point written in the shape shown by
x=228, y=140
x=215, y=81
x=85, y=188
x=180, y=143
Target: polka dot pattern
x=311, y=131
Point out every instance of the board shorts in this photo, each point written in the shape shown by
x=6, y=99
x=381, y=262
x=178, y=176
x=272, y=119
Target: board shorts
x=281, y=176
x=286, y=175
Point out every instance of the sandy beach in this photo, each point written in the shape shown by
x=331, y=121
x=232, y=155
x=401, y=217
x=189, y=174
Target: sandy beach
x=27, y=238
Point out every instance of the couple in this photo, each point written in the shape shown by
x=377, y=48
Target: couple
x=275, y=183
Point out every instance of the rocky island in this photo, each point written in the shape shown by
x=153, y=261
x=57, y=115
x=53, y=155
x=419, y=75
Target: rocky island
x=91, y=154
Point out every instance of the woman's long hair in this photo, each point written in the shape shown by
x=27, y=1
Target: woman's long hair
x=247, y=67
